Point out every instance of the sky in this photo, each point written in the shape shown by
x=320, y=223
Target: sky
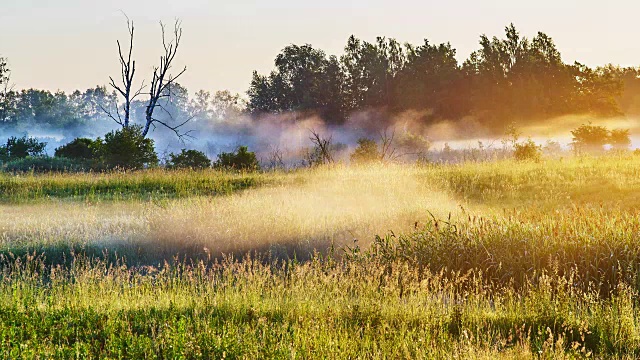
x=71, y=44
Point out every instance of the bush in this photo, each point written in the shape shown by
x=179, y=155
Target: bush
x=188, y=159
x=80, y=149
x=46, y=164
x=527, y=150
x=241, y=159
x=619, y=139
x=367, y=151
x=589, y=138
x=19, y=148
x=126, y=148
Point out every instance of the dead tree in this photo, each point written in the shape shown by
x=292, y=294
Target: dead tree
x=322, y=146
x=387, y=150
x=158, y=89
x=162, y=81
x=7, y=90
x=128, y=70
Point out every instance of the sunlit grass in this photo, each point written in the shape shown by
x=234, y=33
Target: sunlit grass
x=491, y=260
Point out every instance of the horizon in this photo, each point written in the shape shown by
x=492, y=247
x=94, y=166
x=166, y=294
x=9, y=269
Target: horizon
x=224, y=43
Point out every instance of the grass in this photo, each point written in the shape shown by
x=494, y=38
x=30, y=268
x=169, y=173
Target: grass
x=491, y=260
x=123, y=186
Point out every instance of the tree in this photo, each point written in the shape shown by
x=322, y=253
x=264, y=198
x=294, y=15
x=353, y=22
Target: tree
x=370, y=70
x=159, y=88
x=304, y=80
x=365, y=152
x=127, y=148
x=619, y=139
x=589, y=138
x=5, y=90
x=188, y=159
x=241, y=159
x=128, y=70
x=21, y=147
x=431, y=80
x=162, y=81
x=79, y=149
x=527, y=150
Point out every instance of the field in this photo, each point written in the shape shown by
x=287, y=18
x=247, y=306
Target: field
x=479, y=260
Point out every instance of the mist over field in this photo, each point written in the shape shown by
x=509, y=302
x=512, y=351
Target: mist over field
x=372, y=90
x=389, y=201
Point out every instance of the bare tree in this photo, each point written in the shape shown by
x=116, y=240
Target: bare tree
x=6, y=90
x=322, y=146
x=128, y=70
x=387, y=150
x=276, y=158
x=162, y=81
x=159, y=88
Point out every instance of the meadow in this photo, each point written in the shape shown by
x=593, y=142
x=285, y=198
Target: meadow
x=488, y=260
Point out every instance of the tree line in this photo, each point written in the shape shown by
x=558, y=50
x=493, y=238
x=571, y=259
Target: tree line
x=509, y=79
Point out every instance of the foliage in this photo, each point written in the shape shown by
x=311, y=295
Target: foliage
x=527, y=150
x=80, y=149
x=188, y=159
x=365, y=152
x=408, y=143
x=304, y=80
x=21, y=147
x=241, y=159
x=508, y=78
x=620, y=139
x=589, y=138
x=127, y=148
x=45, y=164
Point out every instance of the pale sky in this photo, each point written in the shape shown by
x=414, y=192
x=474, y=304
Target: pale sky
x=71, y=44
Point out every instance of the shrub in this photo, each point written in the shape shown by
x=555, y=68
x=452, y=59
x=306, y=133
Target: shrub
x=188, y=159
x=589, y=138
x=241, y=159
x=367, y=151
x=126, y=148
x=19, y=148
x=527, y=150
x=619, y=139
x=46, y=164
x=79, y=149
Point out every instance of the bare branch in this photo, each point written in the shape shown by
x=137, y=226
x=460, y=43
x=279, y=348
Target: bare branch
x=127, y=72
x=323, y=145
x=161, y=81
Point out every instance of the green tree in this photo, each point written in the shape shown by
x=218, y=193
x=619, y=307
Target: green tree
x=365, y=152
x=304, y=80
x=79, y=149
x=241, y=159
x=370, y=70
x=188, y=159
x=127, y=148
x=20, y=148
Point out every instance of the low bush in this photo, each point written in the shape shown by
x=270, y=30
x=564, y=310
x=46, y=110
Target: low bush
x=80, y=149
x=241, y=159
x=188, y=159
x=528, y=150
x=40, y=164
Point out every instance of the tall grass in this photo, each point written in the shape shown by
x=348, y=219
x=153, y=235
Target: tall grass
x=118, y=186
x=493, y=260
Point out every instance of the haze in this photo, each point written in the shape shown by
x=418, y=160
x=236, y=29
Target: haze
x=71, y=44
